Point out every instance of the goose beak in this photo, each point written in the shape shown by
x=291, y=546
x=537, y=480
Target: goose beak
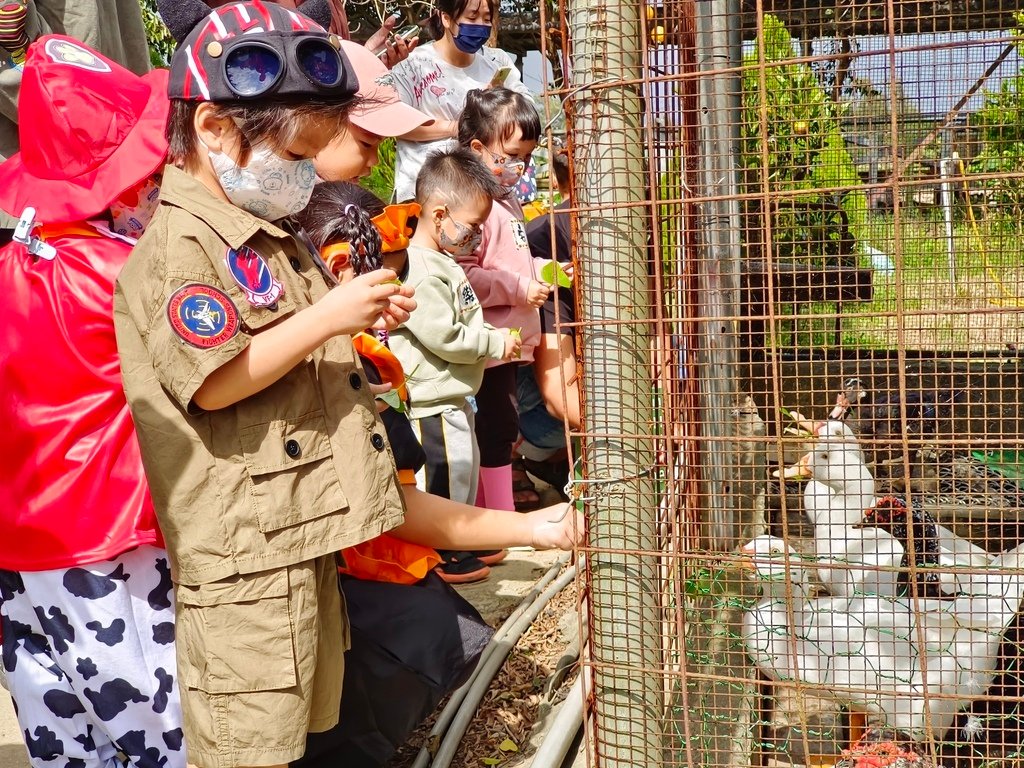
x=803, y=426
x=800, y=470
x=745, y=561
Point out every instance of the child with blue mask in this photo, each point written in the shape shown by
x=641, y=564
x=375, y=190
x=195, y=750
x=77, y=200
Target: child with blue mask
x=437, y=76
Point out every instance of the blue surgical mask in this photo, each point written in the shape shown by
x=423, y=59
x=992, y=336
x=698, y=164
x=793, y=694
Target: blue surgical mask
x=471, y=37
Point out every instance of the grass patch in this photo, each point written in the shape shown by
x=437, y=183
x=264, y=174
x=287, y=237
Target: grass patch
x=981, y=309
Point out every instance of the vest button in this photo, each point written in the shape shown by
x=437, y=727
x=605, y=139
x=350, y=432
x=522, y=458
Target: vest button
x=377, y=442
x=292, y=448
x=296, y=264
x=355, y=381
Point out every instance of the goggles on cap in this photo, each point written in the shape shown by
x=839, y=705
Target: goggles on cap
x=253, y=50
x=254, y=68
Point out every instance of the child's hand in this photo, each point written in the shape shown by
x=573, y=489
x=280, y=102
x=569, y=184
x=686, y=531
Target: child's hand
x=560, y=526
x=537, y=293
x=397, y=312
x=358, y=304
x=513, y=344
x=380, y=389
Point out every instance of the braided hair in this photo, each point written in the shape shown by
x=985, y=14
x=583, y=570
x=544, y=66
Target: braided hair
x=340, y=211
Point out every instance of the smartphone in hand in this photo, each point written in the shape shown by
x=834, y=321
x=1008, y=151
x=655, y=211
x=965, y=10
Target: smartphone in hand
x=405, y=33
x=500, y=77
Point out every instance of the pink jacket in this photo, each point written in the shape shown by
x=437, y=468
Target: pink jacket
x=500, y=271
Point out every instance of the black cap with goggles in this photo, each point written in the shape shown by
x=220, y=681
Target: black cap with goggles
x=247, y=51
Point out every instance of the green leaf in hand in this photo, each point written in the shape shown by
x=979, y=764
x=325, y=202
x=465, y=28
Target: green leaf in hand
x=393, y=400
x=553, y=274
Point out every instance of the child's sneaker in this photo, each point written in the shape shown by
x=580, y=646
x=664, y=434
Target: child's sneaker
x=461, y=567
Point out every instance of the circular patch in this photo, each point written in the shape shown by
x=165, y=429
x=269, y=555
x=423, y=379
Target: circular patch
x=202, y=315
x=252, y=274
x=67, y=52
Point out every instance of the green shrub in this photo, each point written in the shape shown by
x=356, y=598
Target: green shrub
x=1001, y=122
x=381, y=180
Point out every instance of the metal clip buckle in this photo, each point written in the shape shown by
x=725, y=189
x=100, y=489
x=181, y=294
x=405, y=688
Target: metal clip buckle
x=23, y=234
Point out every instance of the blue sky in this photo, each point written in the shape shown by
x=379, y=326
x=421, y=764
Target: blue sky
x=934, y=78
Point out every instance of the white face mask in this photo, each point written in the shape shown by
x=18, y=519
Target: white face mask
x=131, y=220
x=268, y=186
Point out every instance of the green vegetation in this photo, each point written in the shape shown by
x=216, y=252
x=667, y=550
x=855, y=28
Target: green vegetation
x=796, y=151
x=1002, y=130
x=937, y=314
x=381, y=180
x=161, y=44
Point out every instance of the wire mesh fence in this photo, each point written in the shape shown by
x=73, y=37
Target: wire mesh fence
x=799, y=245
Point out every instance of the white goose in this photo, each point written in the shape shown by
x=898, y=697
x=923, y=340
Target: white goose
x=913, y=662
x=855, y=559
x=840, y=491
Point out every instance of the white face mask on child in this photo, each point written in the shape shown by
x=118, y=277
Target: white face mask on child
x=268, y=186
x=466, y=240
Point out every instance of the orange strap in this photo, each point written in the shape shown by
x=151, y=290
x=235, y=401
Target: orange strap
x=393, y=226
x=390, y=369
x=51, y=231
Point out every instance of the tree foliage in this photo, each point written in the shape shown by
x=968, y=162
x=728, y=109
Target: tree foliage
x=1001, y=121
x=797, y=149
x=161, y=44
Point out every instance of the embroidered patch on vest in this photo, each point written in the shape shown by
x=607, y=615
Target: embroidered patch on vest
x=202, y=315
x=252, y=274
x=67, y=52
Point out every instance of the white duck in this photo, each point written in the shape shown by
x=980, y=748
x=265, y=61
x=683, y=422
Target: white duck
x=855, y=559
x=913, y=662
x=836, y=499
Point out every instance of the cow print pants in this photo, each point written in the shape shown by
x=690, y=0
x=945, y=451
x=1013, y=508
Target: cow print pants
x=89, y=657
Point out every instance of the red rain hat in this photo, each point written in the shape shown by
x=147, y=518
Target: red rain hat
x=89, y=130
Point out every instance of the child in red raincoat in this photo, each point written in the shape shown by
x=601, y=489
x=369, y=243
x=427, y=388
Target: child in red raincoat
x=85, y=589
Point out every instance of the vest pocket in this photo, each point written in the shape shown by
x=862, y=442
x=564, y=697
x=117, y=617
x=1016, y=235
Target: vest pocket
x=291, y=471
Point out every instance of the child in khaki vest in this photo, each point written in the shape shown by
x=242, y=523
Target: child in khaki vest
x=258, y=432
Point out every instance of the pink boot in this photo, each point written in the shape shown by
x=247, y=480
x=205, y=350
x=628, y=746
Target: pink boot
x=496, y=488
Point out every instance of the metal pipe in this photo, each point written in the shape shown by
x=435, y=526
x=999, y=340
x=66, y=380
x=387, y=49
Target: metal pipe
x=718, y=45
x=451, y=707
x=607, y=141
x=490, y=667
x=945, y=165
x=733, y=459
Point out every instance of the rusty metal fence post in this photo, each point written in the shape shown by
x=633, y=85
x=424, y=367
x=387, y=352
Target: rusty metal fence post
x=606, y=130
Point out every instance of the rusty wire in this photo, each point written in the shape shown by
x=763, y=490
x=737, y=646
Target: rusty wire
x=840, y=178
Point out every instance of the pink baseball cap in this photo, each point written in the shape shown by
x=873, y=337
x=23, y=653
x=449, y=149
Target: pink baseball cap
x=380, y=110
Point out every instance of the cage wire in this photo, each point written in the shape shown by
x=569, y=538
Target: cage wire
x=798, y=235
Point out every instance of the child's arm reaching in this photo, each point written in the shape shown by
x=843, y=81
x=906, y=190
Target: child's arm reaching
x=346, y=309
x=435, y=521
x=498, y=287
